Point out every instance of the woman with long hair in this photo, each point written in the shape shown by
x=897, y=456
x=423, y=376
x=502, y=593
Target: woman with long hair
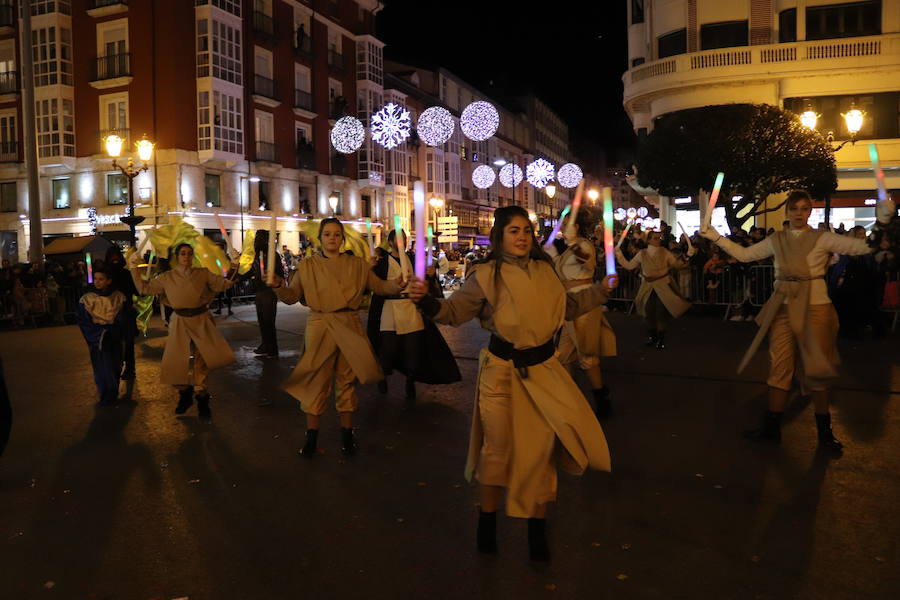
x=529, y=414
x=589, y=337
x=336, y=351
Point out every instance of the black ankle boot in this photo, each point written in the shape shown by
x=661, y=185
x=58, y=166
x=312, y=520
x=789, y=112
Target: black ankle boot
x=348, y=443
x=487, y=532
x=826, y=435
x=602, y=403
x=203, y=410
x=310, y=445
x=661, y=340
x=652, y=337
x=538, y=549
x=185, y=400
x=770, y=430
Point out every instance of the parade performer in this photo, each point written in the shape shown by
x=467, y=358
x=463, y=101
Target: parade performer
x=192, y=331
x=529, y=414
x=102, y=317
x=584, y=340
x=121, y=281
x=265, y=299
x=402, y=339
x=657, y=300
x=799, y=312
x=336, y=352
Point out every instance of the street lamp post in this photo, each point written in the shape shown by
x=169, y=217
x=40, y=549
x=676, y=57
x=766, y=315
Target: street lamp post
x=114, y=145
x=251, y=179
x=437, y=204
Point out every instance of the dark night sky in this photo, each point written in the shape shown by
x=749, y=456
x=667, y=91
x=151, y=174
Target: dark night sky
x=571, y=54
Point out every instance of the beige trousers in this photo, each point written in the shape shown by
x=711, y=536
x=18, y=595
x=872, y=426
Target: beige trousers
x=335, y=374
x=199, y=371
x=784, y=356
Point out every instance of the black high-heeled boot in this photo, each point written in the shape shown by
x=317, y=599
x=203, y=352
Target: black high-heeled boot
x=348, y=443
x=538, y=550
x=203, y=410
x=826, y=435
x=185, y=400
x=310, y=445
x=486, y=535
x=602, y=403
x=770, y=430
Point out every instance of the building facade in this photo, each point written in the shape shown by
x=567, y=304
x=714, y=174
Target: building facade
x=238, y=96
x=817, y=55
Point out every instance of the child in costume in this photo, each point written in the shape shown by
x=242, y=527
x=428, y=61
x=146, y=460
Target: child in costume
x=101, y=316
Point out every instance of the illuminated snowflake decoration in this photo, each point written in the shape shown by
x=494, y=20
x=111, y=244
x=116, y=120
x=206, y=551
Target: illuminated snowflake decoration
x=619, y=215
x=540, y=173
x=435, y=125
x=391, y=125
x=510, y=175
x=347, y=135
x=569, y=175
x=642, y=212
x=483, y=177
x=479, y=121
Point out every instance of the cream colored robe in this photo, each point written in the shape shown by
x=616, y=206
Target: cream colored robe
x=188, y=287
x=527, y=310
x=334, y=289
x=655, y=262
x=590, y=333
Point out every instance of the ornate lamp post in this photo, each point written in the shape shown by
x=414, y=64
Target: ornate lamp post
x=114, y=145
x=333, y=202
x=437, y=204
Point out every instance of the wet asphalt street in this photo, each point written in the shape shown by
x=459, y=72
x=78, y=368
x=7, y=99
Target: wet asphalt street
x=135, y=503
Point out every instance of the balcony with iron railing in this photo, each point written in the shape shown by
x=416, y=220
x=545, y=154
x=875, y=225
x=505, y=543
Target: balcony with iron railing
x=112, y=66
x=304, y=48
x=306, y=156
x=755, y=64
x=264, y=25
x=303, y=100
x=263, y=86
x=9, y=82
x=336, y=61
x=105, y=3
x=9, y=152
x=267, y=152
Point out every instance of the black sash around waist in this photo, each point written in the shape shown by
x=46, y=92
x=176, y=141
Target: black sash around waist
x=191, y=312
x=522, y=359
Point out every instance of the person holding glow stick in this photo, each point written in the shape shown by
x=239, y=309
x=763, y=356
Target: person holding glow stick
x=402, y=339
x=658, y=299
x=115, y=264
x=266, y=301
x=529, y=415
x=585, y=340
x=336, y=352
x=798, y=317
x=101, y=317
x=192, y=331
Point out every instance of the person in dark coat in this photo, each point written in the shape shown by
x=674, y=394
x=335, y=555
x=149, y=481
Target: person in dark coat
x=100, y=315
x=266, y=300
x=401, y=338
x=121, y=281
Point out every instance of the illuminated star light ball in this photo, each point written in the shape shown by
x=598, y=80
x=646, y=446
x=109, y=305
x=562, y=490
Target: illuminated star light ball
x=347, y=135
x=435, y=125
x=569, y=175
x=479, y=121
x=510, y=175
x=391, y=125
x=540, y=172
x=483, y=177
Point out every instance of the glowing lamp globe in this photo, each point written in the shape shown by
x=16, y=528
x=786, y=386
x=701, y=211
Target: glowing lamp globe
x=540, y=172
x=145, y=149
x=510, y=175
x=483, y=177
x=809, y=119
x=391, y=125
x=435, y=126
x=593, y=195
x=550, y=190
x=479, y=121
x=114, y=145
x=854, y=120
x=347, y=135
x=570, y=175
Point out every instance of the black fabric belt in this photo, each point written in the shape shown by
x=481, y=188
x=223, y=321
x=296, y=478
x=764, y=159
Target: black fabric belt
x=522, y=359
x=345, y=309
x=792, y=278
x=191, y=312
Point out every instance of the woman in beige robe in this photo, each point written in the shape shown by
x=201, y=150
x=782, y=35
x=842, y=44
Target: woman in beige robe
x=336, y=352
x=657, y=300
x=529, y=414
x=192, y=332
x=589, y=337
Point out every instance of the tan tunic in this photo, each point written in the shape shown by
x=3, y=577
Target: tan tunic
x=188, y=287
x=334, y=289
x=656, y=263
x=547, y=409
x=589, y=336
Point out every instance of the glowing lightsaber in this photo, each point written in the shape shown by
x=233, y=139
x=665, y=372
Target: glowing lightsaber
x=624, y=234
x=576, y=204
x=608, y=232
x=879, y=173
x=90, y=267
x=400, y=238
x=713, y=198
x=430, y=237
x=369, y=237
x=221, y=225
x=145, y=240
x=150, y=263
x=556, y=227
x=219, y=263
x=270, y=265
x=419, y=205
x=686, y=236
x=262, y=267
